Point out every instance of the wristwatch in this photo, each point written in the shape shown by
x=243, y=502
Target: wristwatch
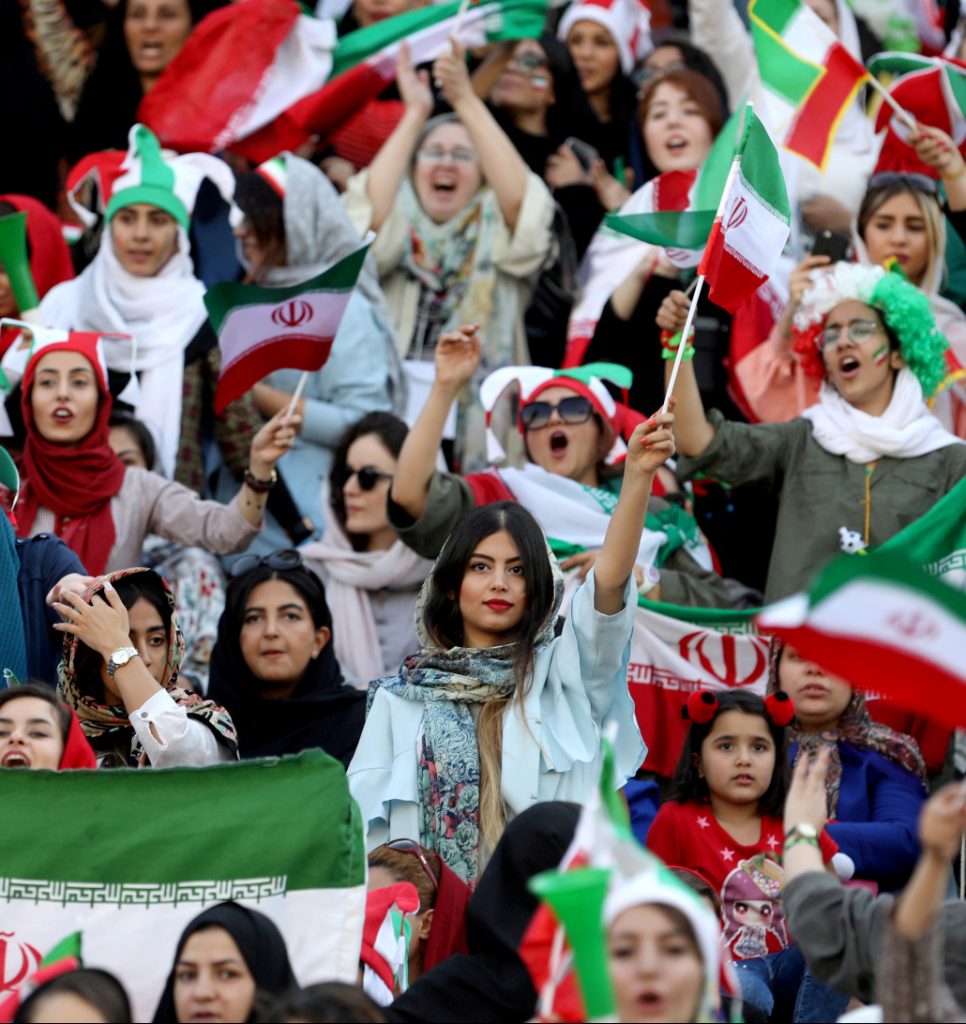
x=260, y=486
x=801, y=833
x=120, y=658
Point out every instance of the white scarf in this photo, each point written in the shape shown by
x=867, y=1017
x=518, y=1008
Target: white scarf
x=161, y=313
x=349, y=576
x=905, y=430
x=567, y=511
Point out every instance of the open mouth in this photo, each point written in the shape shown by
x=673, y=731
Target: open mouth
x=444, y=186
x=849, y=366
x=63, y=415
x=744, y=780
x=14, y=759
x=677, y=143
x=650, y=1002
x=559, y=442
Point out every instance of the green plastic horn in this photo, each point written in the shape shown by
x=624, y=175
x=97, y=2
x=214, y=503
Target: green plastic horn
x=577, y=899
x=16, y=264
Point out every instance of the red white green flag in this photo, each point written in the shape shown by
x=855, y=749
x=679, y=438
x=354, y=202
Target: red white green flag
x=282, y=836
x=884, y=625
x=296, y=79
x=261, y=330
x=809, y=76
x=752, y=222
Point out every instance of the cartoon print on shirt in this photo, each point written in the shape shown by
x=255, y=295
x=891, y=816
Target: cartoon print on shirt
x=751, y=909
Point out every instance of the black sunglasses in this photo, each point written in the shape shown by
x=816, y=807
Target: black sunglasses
x=917, y=182
x=287, y=559
x=368, y=476
x=573, y=410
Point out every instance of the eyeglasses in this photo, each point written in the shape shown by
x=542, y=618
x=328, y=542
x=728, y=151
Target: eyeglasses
x=644, y=75
x=413, y=848
x=436, y=155
x=573, y=410
x=287, y=559
x=917, y=182
x=528, y=63
x=368, y=476
x=858, y=331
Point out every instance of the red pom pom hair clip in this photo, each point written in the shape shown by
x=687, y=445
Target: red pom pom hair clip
x=701, y=707
x=780, y=708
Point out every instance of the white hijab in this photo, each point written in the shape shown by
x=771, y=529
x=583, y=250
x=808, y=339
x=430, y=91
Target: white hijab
x=905, y=430
x=161, y=313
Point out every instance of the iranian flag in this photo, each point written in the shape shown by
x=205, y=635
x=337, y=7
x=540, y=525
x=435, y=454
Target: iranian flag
x=261, y=330
x=282, y=836
x=882, y=624
x=933, y=91
x=752, y=222
x=297, y=80
x=808, y=75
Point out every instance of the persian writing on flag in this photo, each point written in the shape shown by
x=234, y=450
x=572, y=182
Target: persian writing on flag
x=282, y=836
x=810, y=78
x=261, y=330
x=883, y=624
x=752, y=223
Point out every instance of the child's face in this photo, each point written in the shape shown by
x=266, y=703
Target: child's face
x=493, y=594
x=737, y=758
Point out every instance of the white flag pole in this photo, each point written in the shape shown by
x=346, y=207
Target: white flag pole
x=297, y=393
x=699, y=280
x=900, y=112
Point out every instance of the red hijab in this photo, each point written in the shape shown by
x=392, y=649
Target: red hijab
x=78, y=752
x=76, y=483
x=50, y=261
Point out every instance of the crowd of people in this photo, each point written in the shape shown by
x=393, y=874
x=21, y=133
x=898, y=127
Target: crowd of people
x=428, y=557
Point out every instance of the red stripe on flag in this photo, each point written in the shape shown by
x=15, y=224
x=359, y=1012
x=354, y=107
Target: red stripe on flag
x=672, y=190
x=292, y=351
x=883, y=669
x=730, y=279
x=818, y=117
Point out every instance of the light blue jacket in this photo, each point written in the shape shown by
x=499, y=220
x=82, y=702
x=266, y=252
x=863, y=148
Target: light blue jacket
x=551, y=751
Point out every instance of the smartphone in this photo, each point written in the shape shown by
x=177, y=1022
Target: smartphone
x=832, y=244
x=583, y=151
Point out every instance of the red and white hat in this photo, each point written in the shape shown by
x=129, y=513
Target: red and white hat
x=385, y=938
x=582, y=380
x=628, y=22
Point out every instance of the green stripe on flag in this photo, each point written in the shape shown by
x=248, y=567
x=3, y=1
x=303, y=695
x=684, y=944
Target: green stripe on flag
x=222, y=299
x=714, y=170
x=290, y=820
x=761, y=169
x=781, y=69
x=899, y=63
x=936, y=540
x=676, y=229
x=70, y=945
x=509, y=19
x=956, y=80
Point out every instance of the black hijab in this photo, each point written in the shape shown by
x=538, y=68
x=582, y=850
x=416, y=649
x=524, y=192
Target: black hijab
x=321, y=712
x=258, y=940
x=490, y=982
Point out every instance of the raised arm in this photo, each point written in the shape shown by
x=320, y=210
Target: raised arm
x=389, y=166
x=936, y=149
x=503, y=167
x=692, y=431
x=649, y=447
x=457, y=358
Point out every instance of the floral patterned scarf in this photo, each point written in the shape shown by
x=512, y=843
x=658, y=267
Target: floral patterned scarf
x=453, y=685
x=107, y=726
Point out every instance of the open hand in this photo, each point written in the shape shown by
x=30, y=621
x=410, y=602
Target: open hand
x=457, y=356
x=413, y=85
x=806, y=802
x=451, y=75
x=103, y=625
x=943, y=821
x=650, y=446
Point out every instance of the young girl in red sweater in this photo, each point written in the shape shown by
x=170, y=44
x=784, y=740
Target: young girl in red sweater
x=724, y=821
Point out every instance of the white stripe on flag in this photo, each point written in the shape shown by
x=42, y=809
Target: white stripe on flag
x=804, y=36
x=754, y=233
x=314, y=313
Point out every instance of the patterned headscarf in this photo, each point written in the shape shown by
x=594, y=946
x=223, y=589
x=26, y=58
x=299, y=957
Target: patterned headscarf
x=448, y=683
x=856, y=727
x=108, y=726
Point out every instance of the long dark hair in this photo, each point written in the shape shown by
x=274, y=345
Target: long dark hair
x=265, y=212
x=391, y=432
x=130, y=589
x=42, y=692
x=571, y=113
x=688, y=785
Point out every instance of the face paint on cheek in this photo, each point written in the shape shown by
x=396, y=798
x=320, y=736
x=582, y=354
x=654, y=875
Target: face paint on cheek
x=880, y=355
x=540, y=84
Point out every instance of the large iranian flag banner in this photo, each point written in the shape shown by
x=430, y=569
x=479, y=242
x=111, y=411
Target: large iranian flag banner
x=127, y=858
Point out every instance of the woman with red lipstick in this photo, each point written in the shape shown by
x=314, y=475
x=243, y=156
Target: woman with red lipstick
x=496, y=712
x=869, y=457
x=876, y=783
x=573, y=434
x=463, y=229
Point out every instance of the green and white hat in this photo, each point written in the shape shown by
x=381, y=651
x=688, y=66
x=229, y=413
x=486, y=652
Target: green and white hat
x=149, y=178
